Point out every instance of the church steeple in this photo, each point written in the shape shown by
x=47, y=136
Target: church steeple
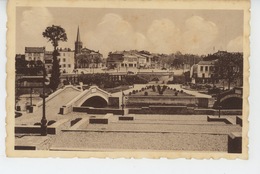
x=78, y=46
x=78, y=36
x=78, y=43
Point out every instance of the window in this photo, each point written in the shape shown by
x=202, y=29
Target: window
x=63, y=54
x=203, y=75
x=69, y=66
x=122, y=65
x=206, y=68
x=64, y=65
x=201, y=68
x=64, y=60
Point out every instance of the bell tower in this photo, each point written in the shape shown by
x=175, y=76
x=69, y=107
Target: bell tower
x=78, y=46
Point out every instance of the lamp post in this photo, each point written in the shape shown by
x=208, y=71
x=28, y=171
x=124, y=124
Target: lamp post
x=43, y=120
x=219, y=106
x=123, y=103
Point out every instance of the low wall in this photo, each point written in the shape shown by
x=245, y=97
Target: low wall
x=145, y=101
x=99, y=110
x=162, y=100
x=159, y=110
x=182, y=110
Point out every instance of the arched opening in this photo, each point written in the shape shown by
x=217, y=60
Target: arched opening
x=96, y=102
x=232, y=103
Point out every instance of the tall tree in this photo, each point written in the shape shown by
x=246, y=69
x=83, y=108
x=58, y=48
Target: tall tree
x=230, y=67
x=54, y=34
x=97, y=60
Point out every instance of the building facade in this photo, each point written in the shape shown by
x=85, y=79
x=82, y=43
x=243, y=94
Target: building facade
x=34, y=53
x=128, y=60
x=66, y=59
x=48, y=61
x=203, y=72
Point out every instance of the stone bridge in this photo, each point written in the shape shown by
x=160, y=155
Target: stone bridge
x=92, y=97
x=232, y=99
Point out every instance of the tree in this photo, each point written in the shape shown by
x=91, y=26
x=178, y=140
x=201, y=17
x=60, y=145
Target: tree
x=54, y=34
x=97, y=60
x=230, y=67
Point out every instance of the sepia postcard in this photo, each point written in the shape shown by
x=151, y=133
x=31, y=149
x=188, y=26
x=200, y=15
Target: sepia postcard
x=128, y=79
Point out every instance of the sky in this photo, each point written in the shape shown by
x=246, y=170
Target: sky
x=156, y=30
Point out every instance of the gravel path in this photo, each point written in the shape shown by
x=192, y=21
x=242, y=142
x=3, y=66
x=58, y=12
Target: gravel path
x=213, y=129
x=140, y=141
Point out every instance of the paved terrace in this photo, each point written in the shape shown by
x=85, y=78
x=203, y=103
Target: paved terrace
x=154, y=132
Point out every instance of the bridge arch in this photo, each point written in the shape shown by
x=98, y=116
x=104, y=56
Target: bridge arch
x=93, y=94
x=232, y=101
x=94, y=100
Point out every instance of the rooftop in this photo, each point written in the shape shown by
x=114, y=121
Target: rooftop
x=34, y=49
x=211, y=62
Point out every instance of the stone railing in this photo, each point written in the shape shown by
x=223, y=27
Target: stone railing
x=56, y=93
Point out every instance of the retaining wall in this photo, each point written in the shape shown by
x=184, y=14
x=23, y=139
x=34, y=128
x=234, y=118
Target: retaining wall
x=100, y=110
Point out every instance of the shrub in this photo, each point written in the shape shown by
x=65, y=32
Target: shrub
x=159, y=88
x=164, y=88
x=130, y=93
x=176, y=93
x=174, y=89
x=133, y=91
x=146, y=93
x=153, y=87
x=181, y=91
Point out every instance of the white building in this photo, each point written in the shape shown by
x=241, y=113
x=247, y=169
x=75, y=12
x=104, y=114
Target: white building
x=67, y=60
x=34, y=53
x=203, y=72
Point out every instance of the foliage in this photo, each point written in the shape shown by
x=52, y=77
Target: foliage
x=55, y=73
x=94, y=79
x=30, y=68
x=230, y=67
x=54, y=34
x=176, y=60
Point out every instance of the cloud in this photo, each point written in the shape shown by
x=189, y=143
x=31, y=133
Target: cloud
x=33, y=23
x=36, y=20
x=114, y=33
x=198, y=35
x=163, y=36
x=235, y=45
